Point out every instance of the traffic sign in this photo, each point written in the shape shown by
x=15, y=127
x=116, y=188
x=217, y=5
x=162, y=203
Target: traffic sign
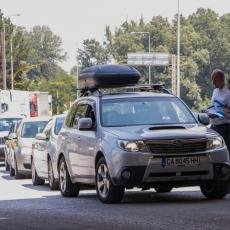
x=148, y=59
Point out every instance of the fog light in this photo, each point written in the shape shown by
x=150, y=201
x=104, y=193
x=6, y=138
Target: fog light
x=225, y=170
x=126, y=174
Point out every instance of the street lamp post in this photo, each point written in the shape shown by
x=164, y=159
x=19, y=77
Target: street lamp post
x=4, y=53
x=149, y=49
x=11, y=62
x=178, y=49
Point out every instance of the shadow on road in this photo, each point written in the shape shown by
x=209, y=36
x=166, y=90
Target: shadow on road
x=8, y=177
x=4, y=171
x=151, y=197
x=38, y=188
x=166, y=198
x=138, y=208
x=141, y=197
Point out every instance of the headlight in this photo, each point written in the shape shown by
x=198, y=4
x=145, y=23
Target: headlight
x=132, y=146
x=215, y=143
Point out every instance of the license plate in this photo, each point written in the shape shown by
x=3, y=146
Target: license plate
x=180, y=161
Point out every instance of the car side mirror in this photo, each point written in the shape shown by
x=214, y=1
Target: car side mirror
x=203, y=119
x=85, y=124
x=41, y=137
x=12, y=136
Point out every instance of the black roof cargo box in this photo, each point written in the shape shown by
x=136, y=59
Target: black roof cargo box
x=108, y=76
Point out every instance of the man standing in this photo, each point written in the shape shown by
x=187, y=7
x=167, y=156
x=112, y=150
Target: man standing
x=221, y=102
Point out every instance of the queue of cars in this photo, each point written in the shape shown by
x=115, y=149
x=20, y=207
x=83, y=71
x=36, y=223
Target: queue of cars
x=25, y=142
x=44, y=157
x=20, y=145
x=142, y=137
x=6, y=123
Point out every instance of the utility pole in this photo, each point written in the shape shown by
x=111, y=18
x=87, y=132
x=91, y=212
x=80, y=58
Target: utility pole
x=77, y=80
x=77, y=74
x=4, y=53
x=11, y=61
x=178, y=49
x=174, y=81
x=150, y=77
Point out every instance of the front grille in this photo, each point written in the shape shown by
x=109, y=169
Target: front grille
x=174, y=174
x=2, y=141
x=177, y=146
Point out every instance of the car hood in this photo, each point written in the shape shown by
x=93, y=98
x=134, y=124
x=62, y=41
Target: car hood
x=160, y=132
x=4, y=133
x=26, y=142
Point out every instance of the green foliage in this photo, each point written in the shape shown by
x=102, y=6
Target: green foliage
x=37, y=54
x=93, y=53
x=62, y=88
x=205, y=45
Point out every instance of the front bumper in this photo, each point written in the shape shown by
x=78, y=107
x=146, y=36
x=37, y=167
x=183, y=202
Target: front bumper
x=134, y=172
x=24, y=163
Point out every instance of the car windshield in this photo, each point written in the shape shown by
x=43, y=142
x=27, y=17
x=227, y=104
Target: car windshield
x=6, y=123
x=30, y=129
x=144, y=111
x=58, y=125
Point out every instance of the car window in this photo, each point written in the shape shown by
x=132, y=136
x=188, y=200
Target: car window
x=30, y=129
x=144, y=111
x=58, y=125
x=6, y=123
x=47, y=128
x=12, y=129
x=91, y=114
x=80, y=113
x=70, y=115
x=76, y=112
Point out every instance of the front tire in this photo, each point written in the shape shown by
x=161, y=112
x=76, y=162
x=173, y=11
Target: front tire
x=12, y=171
x=215, y=191
x=106, y=191
x=67, y=188
x=17, y=175
x=35, y=178
x=53, y=184
x=7, y=166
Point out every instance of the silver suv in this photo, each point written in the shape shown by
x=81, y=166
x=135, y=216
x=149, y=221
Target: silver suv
x=141, y=139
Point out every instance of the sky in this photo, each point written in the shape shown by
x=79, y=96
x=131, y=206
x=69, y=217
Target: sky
x=76, y=20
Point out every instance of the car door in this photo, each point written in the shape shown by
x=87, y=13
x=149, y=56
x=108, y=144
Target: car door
x=72, y=138
x=53, y=142
x=14, y=144
x=86, y=145
x=11, y=141
x=40, y=152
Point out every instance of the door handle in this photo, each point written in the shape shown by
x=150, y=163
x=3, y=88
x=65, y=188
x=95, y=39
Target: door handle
x=79, y=138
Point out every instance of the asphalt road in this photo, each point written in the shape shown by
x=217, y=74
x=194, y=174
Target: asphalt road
x=23, y=206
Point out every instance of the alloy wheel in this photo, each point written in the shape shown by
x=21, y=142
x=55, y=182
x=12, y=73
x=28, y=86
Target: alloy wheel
x=63, y=177
x=103, y=180
x=33, y=171
x=50, y=173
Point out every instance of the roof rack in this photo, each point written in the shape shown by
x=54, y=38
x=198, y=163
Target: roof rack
x=151, y=88
x=87, y=91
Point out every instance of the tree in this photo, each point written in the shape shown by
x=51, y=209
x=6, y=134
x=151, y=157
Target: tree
x=62, y=88
x=93, y=53
x=205, y=45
